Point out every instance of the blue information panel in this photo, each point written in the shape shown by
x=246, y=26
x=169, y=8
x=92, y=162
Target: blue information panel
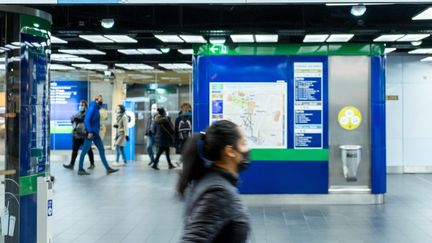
x=308, y=105
x=65, y=98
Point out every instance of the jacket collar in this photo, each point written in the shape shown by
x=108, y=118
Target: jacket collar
x=233, y=179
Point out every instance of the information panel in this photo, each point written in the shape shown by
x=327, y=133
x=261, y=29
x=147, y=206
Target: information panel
x=65, y=98
x=308, y=105
x=259, y=108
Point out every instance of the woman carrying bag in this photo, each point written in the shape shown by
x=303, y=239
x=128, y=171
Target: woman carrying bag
x=164, y=137
x=122, y=130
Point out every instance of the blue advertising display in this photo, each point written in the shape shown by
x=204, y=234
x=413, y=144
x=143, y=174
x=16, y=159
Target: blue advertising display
x=65, y=99
x=308, y=105
x=130, y=145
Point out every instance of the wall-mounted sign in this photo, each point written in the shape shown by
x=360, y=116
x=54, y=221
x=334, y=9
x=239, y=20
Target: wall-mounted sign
x=308, y=105
x=350, y=118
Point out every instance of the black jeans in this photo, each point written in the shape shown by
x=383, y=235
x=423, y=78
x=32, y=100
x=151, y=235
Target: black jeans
x=162, y=149
x=76, y=144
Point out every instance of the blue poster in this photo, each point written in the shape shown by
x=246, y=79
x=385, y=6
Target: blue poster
x=308, y=105
x=65, y=98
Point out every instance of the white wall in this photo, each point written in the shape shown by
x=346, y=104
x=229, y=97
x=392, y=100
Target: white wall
x=409, y=119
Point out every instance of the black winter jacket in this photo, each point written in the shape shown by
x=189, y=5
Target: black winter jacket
x=215, y=212
x=163, y=130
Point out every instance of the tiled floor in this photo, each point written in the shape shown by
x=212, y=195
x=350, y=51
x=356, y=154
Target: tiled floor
x=138, y=205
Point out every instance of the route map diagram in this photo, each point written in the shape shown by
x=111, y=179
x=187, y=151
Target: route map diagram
x=259, y=108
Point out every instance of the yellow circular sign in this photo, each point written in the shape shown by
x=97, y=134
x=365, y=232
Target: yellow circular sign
x=349, y=118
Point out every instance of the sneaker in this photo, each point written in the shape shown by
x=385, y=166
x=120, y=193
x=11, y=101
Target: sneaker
x=151, y=163
x=155, y=167
x=70, y=167
x=116, y=164
x=171, y=167
x=83, y=172
x=111, y=170
x=91, y=167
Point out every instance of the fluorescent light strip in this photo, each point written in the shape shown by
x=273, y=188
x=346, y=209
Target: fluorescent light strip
x=388, y=38
x=91, y=66
x=12, y=47
x=425, y=15
x=193, y=38
x=175, y=66
x=130, y=51
x=96, y=38
x=59, y=67
x=426, y=59
x=242, y=38
x=315, y=38
x=150, y=51
x=121, y=38
x=421, y=51
x=82, y=51
x=56, y=40
x=67, y=58
x=217, y=40
x=169, y=38
x=266, y=38
x=340, y=38
x=134, y=66
x=388, y=50
x=413, y=37
x=186, y=51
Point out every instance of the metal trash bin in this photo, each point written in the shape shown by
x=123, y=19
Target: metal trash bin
x=351, y=158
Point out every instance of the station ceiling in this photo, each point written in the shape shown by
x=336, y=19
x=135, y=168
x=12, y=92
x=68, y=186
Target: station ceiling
x=290, y=22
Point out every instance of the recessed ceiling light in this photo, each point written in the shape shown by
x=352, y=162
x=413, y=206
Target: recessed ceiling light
x=217, y=40
x=134, y=66
x=416, y=43
x=315, y=38
x=82, y=51
x=165, y=50
x=175, y=66
x=107, y=23
x=56, y=40
x=121, y=38
x=91, y=66
x=340, y=38
x=170, y=38
x=425, y=15
x=186, y=51
x=388, y=38
x=150, y=51
x=426, y=59
x=12, y=47
x=421, y=51
x=267, y=38
x=413, y=37
x=68, y=58
x=59, y=67
x=130, y=51
x=388, y=50
x=242, y=38
x=96, y=38
x=193, y=38
x=358, y=10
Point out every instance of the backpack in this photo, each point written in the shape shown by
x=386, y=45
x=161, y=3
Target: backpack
x=185, y=128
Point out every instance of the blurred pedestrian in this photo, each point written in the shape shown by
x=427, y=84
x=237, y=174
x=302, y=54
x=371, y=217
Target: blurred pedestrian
x=149, y=133
x=121, y=137
x=164, y=137
x=211, y=163
x=183, y=126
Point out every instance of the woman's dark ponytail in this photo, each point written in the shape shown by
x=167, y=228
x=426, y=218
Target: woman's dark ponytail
x=202, y=148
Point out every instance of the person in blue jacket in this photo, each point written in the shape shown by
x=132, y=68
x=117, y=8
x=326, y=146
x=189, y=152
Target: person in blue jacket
x=92, y=125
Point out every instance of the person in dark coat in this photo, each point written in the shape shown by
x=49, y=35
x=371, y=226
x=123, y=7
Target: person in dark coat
x=211, y=163
x=149, y=133
x=164, y=137
x=183, y=126
x=78, y=136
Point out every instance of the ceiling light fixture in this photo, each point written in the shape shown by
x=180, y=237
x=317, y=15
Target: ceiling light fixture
x=388, y=38
x=134, y=66
x=193, y=39
x=266, y=38
x=107, y=23
x=315, y=38
x=121, y=38
x=186, y=51
x=426, y=59
x=176, y=66
x=416, y=43
x=340, y=38
x=150, y=51
x=82, y=51
x=421, y=51
x=244, y=38
x=358, y=10
x=388, y=50
x=96, y=38
x=56, y=40
x=60, y=67
x=425, y=15
x=165, y=50
x=68, y=58
x=217, y=40
x=130, y=51
x=413, y=37
x=170, y=38
x=91, y=66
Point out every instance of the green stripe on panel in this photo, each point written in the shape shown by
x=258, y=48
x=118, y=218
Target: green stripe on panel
x=28, y=184
x=289, y=154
